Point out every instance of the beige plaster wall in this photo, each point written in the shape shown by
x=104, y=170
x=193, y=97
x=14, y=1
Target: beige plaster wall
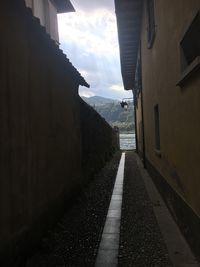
x=179, y=107
x=47, y=13
x=53, y=22
x=39, y=11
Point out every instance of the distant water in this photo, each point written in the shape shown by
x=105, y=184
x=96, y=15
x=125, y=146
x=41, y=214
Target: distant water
x=127, y=141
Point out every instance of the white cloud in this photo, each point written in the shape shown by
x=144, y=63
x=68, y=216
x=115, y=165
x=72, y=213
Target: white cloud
x=117, y=87
x=89, y=38
x=84, y=73
x=94, y=32
x=84, y=92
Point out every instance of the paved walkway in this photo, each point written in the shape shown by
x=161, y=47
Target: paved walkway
x=74, y=241
x=148, y=235
x=108, y=249
x=125, y=226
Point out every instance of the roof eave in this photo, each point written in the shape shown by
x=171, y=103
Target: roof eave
x=129, y=14
x=63, y=6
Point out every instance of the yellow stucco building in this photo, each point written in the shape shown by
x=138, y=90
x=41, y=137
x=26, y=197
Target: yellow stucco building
x=160, y=60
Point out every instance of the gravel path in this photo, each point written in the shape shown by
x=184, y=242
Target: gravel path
x=75, y=240
x=141, y=242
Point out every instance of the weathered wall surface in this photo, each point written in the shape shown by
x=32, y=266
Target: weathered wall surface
x=47, y=14
x=53, y=22
x=179, y=107
x=40, y=140
x=99, y=140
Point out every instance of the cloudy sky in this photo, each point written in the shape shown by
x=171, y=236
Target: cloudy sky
x=89, y=38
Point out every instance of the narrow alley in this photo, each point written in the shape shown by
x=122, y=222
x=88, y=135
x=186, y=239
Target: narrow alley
x=99, y=133
x=142, y=233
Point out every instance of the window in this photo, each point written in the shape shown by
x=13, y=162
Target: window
x=190, y=51
x=151, y=22
x=157, y=128
x=190, y=43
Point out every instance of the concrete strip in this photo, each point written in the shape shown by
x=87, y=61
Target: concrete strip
x=179, y=251
x=108, y=249
x=116, y=197
x=112, y=226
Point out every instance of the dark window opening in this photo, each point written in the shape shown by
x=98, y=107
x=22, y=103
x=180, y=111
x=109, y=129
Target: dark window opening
x=157, y=127
x=190, y=44
x=151, y=22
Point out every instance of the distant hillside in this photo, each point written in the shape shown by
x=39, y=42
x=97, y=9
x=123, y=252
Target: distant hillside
x=98, y=100
x=114, y=114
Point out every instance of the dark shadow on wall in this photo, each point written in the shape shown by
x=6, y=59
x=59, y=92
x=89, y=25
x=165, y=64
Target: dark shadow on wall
x=99, y=141
x=40, y=137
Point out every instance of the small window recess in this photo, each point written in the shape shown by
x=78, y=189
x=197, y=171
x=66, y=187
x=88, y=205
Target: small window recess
x=157, y=130
x=150, y=23
x=190, y=50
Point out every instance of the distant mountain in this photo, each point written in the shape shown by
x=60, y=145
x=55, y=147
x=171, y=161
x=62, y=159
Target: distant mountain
x=112, y=112
x=98, y=100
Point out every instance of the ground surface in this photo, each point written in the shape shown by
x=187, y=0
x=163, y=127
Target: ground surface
x=74, y=242
x=141, y=242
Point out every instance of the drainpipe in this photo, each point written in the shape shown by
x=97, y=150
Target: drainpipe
x=143, y=135
x=138, y=84
x=138, y=76
x=136, y=139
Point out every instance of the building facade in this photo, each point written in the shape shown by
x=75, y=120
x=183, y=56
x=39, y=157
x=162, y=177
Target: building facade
x=159, y=49
x=47, y=10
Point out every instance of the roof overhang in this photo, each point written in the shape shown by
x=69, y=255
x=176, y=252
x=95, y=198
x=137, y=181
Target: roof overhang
x=63, y=6
x=129, y=16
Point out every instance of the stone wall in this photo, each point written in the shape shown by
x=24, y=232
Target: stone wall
x=99, y=140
